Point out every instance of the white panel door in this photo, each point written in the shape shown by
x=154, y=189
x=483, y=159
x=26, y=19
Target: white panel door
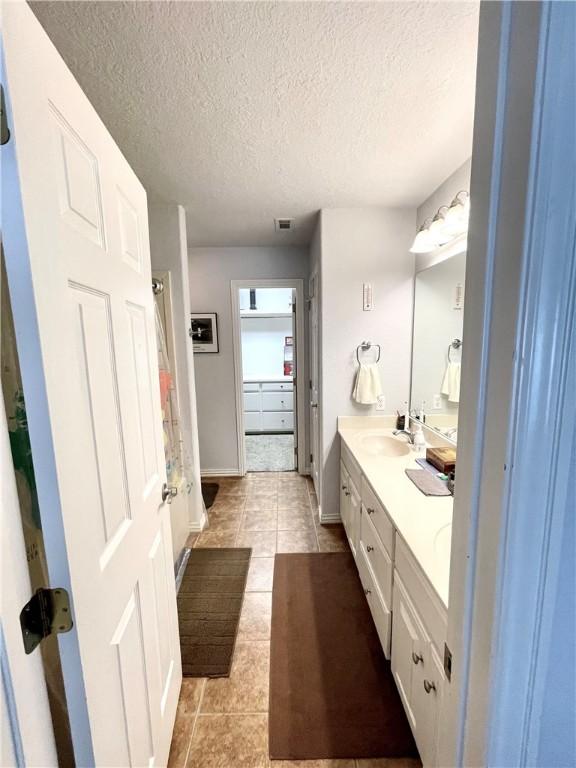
x=26, y=736
x=89, y=367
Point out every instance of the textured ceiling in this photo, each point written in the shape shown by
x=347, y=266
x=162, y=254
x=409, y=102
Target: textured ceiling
x=243, y=111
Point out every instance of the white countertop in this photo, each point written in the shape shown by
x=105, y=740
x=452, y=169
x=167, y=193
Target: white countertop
x=275, y=379
x=416, y=517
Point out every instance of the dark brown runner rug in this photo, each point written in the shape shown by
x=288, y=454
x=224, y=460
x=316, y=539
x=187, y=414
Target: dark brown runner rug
x=332, y=694
x=209, y=604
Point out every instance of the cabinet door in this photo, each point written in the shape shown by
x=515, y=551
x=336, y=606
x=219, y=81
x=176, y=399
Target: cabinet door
x=355, y=511
x=406, y=647
x=344, y=498
x=428, y=685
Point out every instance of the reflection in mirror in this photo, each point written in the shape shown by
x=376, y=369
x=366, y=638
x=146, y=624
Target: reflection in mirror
x=437, y=347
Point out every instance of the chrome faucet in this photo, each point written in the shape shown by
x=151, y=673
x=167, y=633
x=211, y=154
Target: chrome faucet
x=408, y=434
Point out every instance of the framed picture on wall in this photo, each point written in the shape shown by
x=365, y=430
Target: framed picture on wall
x=204, y=331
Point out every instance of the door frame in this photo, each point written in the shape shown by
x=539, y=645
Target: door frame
x=297, y=284
x=314, y=344
x=517, y=409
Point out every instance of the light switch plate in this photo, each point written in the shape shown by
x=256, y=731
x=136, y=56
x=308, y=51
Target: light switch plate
x=367, y=297
x=381, y=404
x=437, y=402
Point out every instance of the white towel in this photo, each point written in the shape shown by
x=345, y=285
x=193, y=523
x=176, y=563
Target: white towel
x=367, y=388
x=451, y=383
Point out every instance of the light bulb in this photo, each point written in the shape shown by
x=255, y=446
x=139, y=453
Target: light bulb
x=424, y=242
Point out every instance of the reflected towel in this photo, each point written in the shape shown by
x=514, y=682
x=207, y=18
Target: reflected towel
x=451, y=383
x=367, y=388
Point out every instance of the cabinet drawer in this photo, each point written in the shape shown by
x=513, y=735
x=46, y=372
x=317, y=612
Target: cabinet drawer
x=277, y=401
x=380, y=613
x=251, y=386
x=252, y=421
x=252, y=401
x=379, y=518
x=277, y=386
x=378, y=559
x=280, y=421
x=351, y=465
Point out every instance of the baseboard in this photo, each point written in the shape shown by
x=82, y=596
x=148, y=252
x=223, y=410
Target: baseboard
x=220, y=472
x=334, y=518
x=197, y=526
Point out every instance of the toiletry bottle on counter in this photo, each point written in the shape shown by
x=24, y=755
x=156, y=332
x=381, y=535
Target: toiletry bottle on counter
x=419, y=439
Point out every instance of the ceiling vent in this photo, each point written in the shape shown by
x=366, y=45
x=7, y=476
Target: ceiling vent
x=283, y=225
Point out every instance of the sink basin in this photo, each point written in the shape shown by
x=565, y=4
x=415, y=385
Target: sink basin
x=382, y=444
x=442, y=542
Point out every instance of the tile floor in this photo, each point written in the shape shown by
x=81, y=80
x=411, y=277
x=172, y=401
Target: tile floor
x=223, y=722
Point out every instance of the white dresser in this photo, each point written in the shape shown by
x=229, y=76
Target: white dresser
x=269, y=405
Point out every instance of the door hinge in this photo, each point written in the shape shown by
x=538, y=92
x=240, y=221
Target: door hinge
x=4, y=130
x=447, y=662
x=46, y=613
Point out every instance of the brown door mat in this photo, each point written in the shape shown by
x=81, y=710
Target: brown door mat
x=209, y=604
x=209, y=491
x=332, y=694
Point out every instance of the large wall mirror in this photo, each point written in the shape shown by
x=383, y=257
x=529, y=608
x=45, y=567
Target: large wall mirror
x=437, y=343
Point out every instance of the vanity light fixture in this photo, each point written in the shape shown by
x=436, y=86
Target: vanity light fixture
x=424, y=242
x=438, y=227
x=456, y=219
x=448, y=223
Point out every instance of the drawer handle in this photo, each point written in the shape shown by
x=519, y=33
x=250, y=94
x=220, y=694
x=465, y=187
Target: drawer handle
x=428, y=686
x=369, y=510
x=369, y=548
x=367, y=591
x=417, y=658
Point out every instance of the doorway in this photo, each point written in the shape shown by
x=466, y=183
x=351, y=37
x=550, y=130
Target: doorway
x=268, y=357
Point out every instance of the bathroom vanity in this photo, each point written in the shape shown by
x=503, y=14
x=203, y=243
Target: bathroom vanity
x=400, y=540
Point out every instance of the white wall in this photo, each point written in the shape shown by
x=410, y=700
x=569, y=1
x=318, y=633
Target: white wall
x=169, y=253
x=263, y=345
x=357, y=246
x=211, y=271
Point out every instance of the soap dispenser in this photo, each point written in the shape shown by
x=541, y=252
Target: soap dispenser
x=419, y=443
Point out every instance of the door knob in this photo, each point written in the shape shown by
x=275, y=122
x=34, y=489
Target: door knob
x=417, y=657
x=369, y=510
x=428, y=686
x=168, y=492
x=369, y=548
x=367, y=591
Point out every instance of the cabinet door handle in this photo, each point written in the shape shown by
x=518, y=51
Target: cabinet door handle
x=367, y=591
x=369, y=510
x=347, y=493
x=428, y=686
x=344, y=488
x=417, y=658
x=369, y=548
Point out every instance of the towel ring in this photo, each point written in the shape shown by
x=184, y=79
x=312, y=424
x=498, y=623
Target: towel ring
x=365, y=346
x=456, y=344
